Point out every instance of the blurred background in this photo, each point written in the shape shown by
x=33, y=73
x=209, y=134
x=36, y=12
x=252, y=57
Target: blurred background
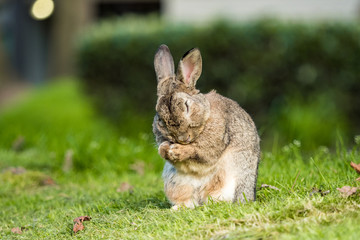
x=293, y=65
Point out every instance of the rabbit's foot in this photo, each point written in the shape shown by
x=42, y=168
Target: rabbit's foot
x=177, y=207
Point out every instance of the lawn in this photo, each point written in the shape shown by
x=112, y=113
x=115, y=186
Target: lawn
x=60, y=160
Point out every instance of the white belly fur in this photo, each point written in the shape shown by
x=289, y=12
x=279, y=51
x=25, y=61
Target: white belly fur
x=226, y=193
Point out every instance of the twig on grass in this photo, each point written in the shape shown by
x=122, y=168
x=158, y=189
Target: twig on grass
x=297, y=175
x=68, y=161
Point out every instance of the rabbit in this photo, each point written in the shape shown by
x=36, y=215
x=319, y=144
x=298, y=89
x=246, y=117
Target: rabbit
x=210, y=144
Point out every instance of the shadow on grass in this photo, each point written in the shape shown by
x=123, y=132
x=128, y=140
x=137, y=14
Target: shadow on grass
x=139, y=201
x=154, y=203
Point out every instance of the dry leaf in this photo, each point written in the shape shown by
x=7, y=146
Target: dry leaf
x=78, y=226
x=124, y=187
x=138, y=167
x=16, y=230
x=322, y=193
x=347, y=190
x=78, y=223
x=355, y=166
x=48, y=181
x=16, y=170
x=269, y=186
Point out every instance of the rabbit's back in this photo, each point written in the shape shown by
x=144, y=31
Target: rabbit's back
x=239, y=129
x=240, y=158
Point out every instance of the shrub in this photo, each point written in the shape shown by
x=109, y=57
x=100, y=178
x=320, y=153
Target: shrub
x=264, y=65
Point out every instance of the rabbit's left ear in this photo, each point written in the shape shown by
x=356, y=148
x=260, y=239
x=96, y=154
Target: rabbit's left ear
x=163, y=63
x=190, y=67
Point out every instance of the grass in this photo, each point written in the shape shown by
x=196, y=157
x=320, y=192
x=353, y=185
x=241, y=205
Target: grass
x=39, y=130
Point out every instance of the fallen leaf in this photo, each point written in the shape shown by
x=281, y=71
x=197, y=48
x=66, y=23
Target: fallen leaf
x=355, y=166
x=78, y=226
x=48, y=181
x=18, y=144
x=82, y=218
x=78, y=223
x=322, y=193
x=124, y=187
x=138, y=167
x=269, y=186
x=16, y=170
x=347, y=190
x=325, y=192
x=16, y=230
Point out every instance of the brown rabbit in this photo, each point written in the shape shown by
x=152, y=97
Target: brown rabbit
x=210, y=143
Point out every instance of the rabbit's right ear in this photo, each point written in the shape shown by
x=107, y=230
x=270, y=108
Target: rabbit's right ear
x=163, y=63
x=190, y=67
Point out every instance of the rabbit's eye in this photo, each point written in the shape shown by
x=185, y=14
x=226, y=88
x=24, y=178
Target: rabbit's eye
x=187, y=106
x=174, y=124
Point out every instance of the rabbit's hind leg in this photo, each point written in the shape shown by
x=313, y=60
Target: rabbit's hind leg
x=179, y=189
x=180, y=195
x=247, y=176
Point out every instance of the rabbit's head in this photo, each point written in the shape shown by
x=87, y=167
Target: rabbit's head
x=181, y=110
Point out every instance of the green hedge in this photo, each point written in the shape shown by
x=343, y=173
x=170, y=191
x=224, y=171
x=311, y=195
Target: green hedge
x=300, y=80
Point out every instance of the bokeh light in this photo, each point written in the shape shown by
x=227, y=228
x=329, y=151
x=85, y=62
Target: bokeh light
x=42, y=9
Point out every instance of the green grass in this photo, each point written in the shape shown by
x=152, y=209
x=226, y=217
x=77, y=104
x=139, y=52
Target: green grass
x=57, y=118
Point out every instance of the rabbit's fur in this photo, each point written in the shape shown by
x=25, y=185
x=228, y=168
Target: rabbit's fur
x=210, y=143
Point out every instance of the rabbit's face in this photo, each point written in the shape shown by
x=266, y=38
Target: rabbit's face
x=182, y=117
x=181, y=111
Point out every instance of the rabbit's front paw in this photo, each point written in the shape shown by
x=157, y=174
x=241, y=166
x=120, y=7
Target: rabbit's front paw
x=175, y=152
x=178, y=152
x=164, y=149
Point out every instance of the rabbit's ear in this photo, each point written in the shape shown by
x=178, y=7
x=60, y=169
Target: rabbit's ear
x=163, y=63
x=190, y=67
